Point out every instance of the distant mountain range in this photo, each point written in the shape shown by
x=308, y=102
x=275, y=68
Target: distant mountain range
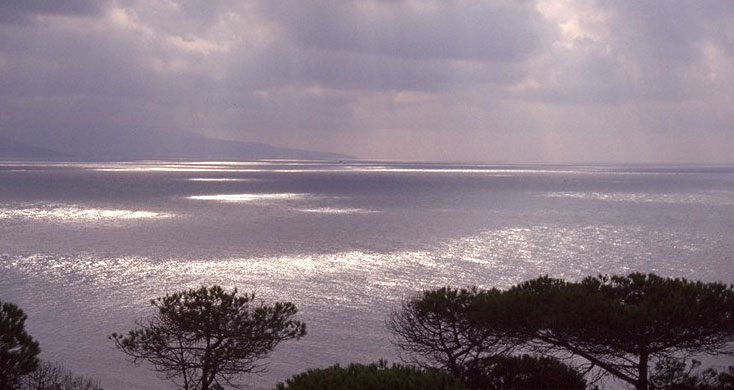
x=141, y=145
x=10, y=149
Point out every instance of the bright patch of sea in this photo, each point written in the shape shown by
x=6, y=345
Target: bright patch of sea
x=85, y=246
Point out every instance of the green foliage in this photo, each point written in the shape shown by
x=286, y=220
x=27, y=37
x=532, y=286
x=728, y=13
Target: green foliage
x=677, y=374
x=726, y=379
x=469, y=333
x=623, y=323
x=18, y=350
x=54, y=376
x=371, y=377
x=524, y=372
x=450, y=329
x=205, y=338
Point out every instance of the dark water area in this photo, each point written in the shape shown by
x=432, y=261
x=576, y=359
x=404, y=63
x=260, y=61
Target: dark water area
x=85, y=246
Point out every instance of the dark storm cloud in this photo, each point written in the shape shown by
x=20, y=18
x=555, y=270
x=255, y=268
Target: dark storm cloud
x=351, y=71
x=113, y=55
x=428, y=79
x=672, y=31
x=451, y=30
x=23, y=11
x=668, y=44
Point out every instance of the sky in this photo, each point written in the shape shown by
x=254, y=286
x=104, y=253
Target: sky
x=433, y=80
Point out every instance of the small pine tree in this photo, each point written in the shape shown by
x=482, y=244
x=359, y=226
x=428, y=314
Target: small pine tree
x=18, y=350
x=203, y=339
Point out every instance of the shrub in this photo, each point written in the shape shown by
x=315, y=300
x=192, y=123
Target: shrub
x=376, y=376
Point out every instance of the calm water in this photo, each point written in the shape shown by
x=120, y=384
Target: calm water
x=84, y=247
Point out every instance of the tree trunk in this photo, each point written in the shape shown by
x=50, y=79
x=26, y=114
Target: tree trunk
x=642, y=369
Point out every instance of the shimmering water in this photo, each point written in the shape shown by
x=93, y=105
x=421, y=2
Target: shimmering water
x=83, y=246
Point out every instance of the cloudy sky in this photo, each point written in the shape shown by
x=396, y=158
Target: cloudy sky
x=505, y=80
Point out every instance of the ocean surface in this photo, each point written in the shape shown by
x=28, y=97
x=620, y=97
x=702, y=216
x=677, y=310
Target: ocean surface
x=85, y=246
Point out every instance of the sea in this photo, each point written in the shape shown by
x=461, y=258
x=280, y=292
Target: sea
x=84, y=247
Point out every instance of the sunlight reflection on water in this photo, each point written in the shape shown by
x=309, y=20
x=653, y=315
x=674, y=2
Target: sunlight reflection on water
x=344, y=241
x=74, y=213
x=334, y=210
x=333, y=288
x=173, y=169
x=494, y=258
x=216, y=179
x=720, y=198
x=248, y=197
